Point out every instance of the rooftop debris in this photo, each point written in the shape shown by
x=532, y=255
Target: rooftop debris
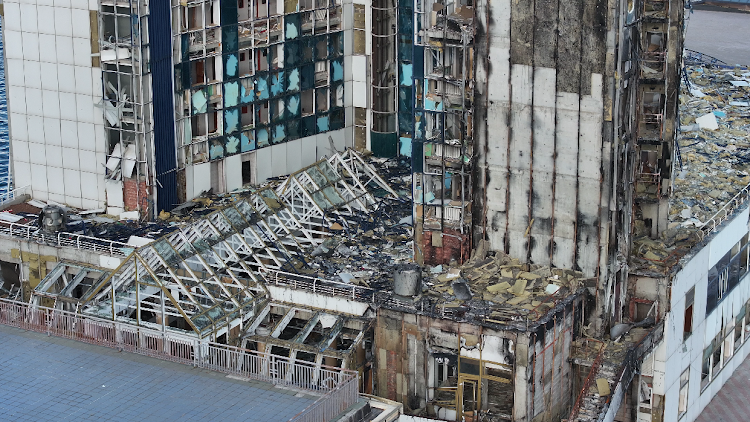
x=713, y=163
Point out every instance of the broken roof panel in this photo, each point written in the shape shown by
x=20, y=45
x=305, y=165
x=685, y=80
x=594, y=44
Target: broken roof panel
x=204, y=275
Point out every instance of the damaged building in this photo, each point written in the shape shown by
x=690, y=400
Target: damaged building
x=490, y=211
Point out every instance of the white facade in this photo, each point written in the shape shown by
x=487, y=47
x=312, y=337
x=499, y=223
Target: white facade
x=674, y=369
x=56, y=132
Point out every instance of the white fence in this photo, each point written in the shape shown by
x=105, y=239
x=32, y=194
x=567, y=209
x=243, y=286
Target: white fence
x=339, y=387
x=64, y=239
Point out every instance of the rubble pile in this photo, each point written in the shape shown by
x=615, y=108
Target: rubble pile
x=499, y=288
x=713, y=162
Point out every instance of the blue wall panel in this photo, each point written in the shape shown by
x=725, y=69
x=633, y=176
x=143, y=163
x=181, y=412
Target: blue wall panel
x=160, y=35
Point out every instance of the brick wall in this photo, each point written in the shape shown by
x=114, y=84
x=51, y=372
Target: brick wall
x=134, y=194
x=452, y=241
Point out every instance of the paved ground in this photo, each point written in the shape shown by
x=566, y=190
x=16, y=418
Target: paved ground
x=724, y=35
x=732, y=403
x=47, y=378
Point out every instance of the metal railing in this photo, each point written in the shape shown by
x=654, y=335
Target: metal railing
x=15, y=193
x=65, y=239
x=589, y=378
x=724, y=212
x=339, y=387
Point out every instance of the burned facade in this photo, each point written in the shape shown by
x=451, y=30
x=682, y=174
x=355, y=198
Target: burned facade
x=523, y=157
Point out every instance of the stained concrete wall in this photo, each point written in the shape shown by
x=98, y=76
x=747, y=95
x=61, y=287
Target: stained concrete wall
x=544, y=85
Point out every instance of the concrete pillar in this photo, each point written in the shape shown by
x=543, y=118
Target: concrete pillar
x=520, y=383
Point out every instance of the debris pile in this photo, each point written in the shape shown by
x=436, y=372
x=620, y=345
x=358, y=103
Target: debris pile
x=713, y=162
x=498, y=288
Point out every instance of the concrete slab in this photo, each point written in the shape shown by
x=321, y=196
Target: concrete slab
x=732, y=403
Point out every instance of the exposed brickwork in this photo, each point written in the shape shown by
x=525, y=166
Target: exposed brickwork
x=391, y=371
x=131, y=194
x=453, y=240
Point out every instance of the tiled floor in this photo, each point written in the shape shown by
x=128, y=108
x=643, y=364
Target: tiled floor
x=732, y=403
x=47, y=378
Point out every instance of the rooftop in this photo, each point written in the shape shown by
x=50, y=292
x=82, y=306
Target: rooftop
x=72, y=381
x=712, y=168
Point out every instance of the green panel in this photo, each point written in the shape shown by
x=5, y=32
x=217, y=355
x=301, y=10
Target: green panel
x=384, y=144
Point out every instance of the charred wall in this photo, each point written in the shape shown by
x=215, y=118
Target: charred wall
x=543, y=140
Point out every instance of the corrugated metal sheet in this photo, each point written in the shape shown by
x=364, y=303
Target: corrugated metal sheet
x=160, y=35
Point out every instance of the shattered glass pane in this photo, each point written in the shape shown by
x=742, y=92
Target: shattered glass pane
x=405, y=74
x=231, y=120
x=231, y=94
x=235, y=218
x=169, y=255
x=293, y=80
x=292, y=22
x=277, y=83
x=317, y=177
x=261, y=88
x=333, y=196
x=279, y=134
x=292, y=106
x=230, y=65
x=321, y=200
x=262, y=140
x=322, y=124
x=328, y=172
x=199, y=101
x=216, y=150
x=232, y=145
x=247, y=90
x=247, y=141
x=246, y=210
x=337, y=70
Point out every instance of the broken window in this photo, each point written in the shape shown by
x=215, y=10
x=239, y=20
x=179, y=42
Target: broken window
x=739, y=328
x=261, y=110
x=321, y=73
x=688, y=327
x=683, y=401
x=321, y=97
x=247, y=170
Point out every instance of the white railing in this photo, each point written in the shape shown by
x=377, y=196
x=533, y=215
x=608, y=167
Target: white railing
x=728, y=209
x=64, y=239
x=15, y=193
x=339, y=387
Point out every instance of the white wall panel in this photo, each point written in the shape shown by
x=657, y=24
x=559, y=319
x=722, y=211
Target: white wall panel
x=37, y=154
x=51, y=104
x=38, y=179
x=34, y=101
x=67, y=105
x=36, y=128
x=79, y=4
x=21, y=150
x=83, y=80
x=17, y=97
x=88, y=161
x=262, y=168
x=72, y=158
x=30, y=42
x=81, y=27
x=56, y=180
x=46, y=19
x=66, y=78
x=294, y=155
x=82, y=51
x=63, y=22
x=72, y=185
x=12, y=18
x=64, y=49
x=69, y=133
x=54, y=156
x=52, y=131
x=21, y=173
x=33, y=74
x=201, y=178
x=278, y=160
x=28, y=18
x=13, y=47
x=18, y=126
x=85, y=109
x=233, y=172
x=86, y=136
x=49, y=76
x=89, y=186
x=14, y=72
